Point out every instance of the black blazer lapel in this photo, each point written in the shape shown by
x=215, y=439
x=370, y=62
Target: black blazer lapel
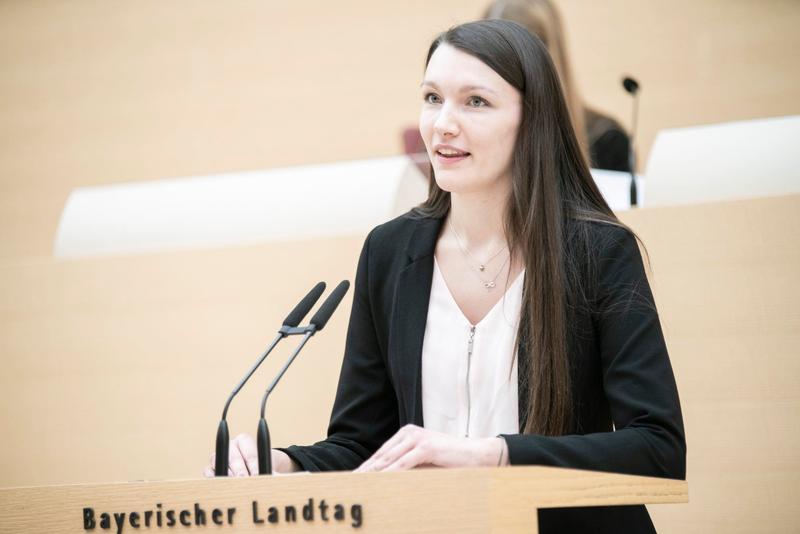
x=409, y=316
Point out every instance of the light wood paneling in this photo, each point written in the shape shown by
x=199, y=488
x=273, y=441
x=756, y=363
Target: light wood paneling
x=94, y=92
x=117, y=369
x=502, y=500
x=725, y=280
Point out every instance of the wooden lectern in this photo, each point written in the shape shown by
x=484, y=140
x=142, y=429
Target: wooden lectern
x=427, y=500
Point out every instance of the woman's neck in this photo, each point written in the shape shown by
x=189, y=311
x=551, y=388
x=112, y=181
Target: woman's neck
x=479, y=220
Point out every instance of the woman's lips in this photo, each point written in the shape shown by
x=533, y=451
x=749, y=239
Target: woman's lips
x=452, y=158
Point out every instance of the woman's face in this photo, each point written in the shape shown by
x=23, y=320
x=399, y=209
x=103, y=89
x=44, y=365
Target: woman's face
x=469, y=122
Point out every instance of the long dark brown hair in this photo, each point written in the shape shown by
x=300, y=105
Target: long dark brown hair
x=553, y=202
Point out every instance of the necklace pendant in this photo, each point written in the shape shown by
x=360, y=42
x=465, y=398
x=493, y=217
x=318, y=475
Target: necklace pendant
x=481, y=268
x=488, y=285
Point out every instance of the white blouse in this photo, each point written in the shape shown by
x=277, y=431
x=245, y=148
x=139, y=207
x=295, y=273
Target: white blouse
x=469, y=372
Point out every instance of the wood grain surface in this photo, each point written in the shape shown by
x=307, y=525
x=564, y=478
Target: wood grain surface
x=428, y=500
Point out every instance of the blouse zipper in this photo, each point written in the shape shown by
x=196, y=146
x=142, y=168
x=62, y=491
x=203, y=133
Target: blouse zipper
x=469, y=359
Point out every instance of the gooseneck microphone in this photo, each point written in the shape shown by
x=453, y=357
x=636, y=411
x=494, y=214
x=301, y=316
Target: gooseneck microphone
x=632, y=87
x=318, y=322
x=287, y=329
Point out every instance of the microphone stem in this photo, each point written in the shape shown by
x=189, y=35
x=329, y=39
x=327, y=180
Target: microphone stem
x=631, y=153
x=249, y=374
x=283, y=370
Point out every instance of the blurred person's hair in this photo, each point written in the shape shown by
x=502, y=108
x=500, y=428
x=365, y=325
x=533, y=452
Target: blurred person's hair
x=541, y=18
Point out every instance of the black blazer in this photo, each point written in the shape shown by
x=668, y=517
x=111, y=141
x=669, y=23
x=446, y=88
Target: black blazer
x=620, y=371
x=609, y=145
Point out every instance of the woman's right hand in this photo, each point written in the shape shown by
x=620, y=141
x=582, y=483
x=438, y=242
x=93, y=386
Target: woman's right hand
x=243, y=459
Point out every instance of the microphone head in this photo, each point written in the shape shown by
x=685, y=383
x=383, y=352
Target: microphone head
x=630, y=85
x=304, y=306
x=325, y=311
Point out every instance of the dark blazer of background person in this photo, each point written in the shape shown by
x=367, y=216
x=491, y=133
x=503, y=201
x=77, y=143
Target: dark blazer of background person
x=609, y=145
x=620, y=372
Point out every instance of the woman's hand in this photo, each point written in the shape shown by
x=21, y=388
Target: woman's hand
x=413, y=446
x=243, y=459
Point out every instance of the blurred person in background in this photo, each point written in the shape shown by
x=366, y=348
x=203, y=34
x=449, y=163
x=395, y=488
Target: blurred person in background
x=607, y=143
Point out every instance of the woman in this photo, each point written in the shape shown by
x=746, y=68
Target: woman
x=508, y=319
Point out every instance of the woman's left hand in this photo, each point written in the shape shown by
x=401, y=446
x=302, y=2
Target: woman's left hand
x=413, y=446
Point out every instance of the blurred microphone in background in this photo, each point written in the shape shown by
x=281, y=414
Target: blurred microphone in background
x=632, y=87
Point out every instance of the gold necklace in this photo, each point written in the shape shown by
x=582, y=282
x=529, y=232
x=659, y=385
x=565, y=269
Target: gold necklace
x=487, y=284
x=466, y=252
x=490, y=284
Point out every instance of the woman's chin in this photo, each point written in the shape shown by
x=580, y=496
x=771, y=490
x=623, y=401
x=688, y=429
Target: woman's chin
x=449, y=187
x=452, y=182
x=459, y=184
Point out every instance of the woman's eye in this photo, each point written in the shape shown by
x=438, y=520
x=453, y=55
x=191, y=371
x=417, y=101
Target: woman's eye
x=432, y=98
x=477, y=102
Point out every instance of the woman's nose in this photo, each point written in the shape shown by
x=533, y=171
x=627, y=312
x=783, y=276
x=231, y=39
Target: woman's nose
x=446, y=123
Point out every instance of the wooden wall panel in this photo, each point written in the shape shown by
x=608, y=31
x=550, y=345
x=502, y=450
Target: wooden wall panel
x=725, y=281
x=117, y=369
x=94, y=92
